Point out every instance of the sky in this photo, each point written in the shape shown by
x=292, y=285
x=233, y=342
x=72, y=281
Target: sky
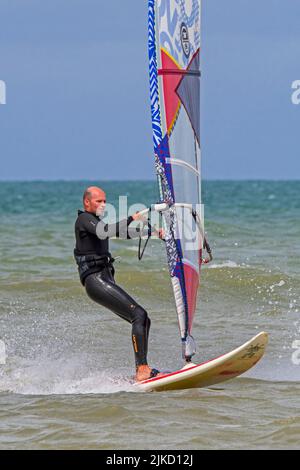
x=77, y=93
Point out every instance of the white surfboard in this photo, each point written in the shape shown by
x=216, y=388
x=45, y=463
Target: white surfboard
x=209, y=373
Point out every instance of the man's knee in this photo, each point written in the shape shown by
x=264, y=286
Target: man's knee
x=141, y=316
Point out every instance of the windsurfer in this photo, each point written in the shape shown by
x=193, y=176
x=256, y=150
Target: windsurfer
x=96, y=271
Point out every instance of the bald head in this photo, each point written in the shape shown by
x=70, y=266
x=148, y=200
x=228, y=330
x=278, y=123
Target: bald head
x=94, y=200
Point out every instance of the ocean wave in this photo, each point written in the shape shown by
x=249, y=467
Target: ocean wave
x=227, y=264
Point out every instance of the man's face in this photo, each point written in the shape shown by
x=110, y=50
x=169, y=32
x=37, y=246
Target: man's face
x=96, y=203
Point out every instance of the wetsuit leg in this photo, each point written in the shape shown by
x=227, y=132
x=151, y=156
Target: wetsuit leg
x=148, y=324
x=101, y=288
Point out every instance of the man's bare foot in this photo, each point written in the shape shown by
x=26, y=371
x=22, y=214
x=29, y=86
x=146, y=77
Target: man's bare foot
x=144, y=372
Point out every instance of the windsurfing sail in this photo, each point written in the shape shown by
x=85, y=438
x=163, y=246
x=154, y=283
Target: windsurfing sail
x=174, y=66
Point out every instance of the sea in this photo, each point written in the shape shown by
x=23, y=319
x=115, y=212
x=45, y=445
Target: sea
x=67, y=364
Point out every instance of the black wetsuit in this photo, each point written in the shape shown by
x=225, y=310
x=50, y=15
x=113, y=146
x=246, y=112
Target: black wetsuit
x=95, y=265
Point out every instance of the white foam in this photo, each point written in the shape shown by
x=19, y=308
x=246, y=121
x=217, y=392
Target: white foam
x=225, y=264
x=62, y=378
x=280, y=284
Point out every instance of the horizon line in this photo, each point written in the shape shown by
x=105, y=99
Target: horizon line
x=148, y=180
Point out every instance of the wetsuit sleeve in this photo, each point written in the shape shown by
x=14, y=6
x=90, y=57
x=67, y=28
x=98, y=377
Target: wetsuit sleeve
x=119, y=229
x=89, y=223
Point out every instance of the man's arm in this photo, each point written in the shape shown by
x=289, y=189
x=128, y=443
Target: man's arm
x=118, y=229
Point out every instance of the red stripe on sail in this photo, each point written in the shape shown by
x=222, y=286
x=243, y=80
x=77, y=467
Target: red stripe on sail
x=191, y=277
x=170, y=84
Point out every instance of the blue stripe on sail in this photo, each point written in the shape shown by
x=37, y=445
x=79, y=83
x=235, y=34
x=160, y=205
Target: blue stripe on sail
x=179, y=273
x=163, y=152
x=155, y=109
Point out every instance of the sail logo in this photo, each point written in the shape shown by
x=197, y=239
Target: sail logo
x=174, y=34
x=185, y=42
x=2, y=92
x=296, y=93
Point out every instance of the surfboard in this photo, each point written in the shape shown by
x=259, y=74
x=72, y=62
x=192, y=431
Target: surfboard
x=212, y=372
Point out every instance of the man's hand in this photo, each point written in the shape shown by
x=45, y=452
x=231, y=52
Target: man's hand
x=139, y=216
x=159, y=233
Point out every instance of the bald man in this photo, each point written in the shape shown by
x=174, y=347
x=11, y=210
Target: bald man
x=95, y=266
